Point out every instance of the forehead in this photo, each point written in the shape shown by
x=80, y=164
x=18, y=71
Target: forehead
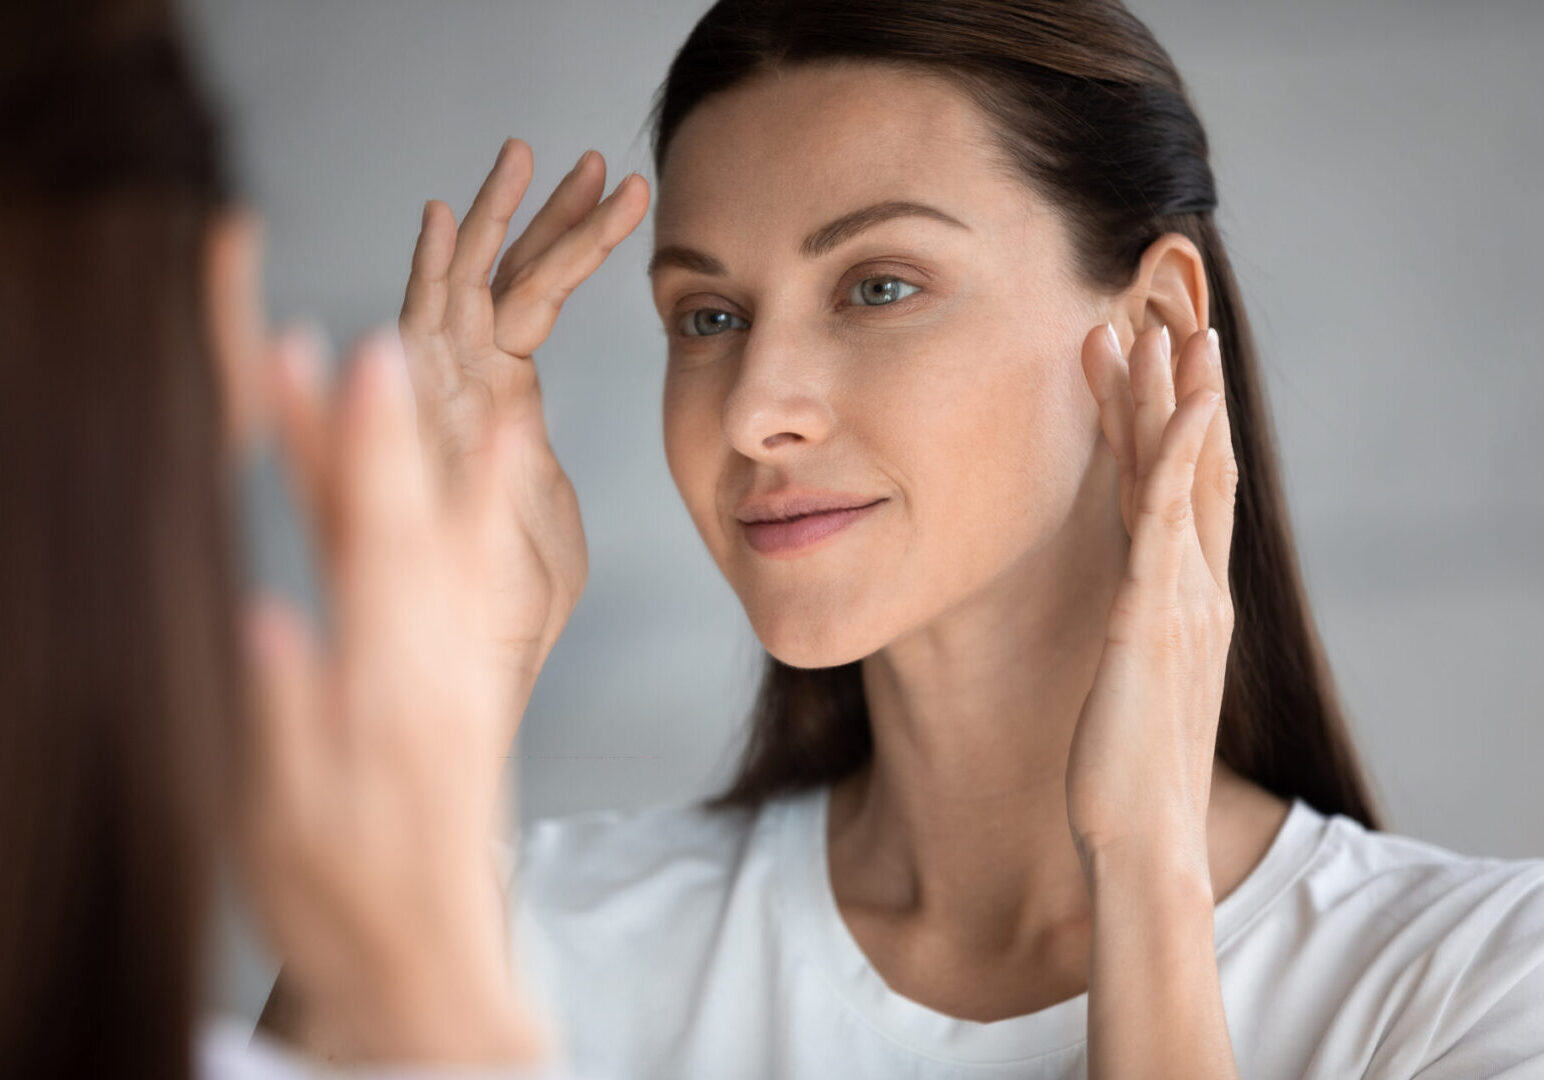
x=791, y=148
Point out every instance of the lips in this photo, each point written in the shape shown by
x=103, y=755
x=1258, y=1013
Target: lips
x=791, y=503
x=795, y=535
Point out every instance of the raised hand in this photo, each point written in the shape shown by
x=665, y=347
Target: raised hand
x=1140, y=768
x=372, y=772
x=470, y=343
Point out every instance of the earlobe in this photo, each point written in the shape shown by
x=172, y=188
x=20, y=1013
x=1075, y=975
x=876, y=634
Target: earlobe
x=234, y=317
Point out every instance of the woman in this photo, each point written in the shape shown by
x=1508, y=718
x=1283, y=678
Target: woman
x=1047, y=775
x=359, y=789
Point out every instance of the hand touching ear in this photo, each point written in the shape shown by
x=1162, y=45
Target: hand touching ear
x=1140, y=769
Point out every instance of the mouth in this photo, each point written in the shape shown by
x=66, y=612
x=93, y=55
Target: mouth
x=796, y=535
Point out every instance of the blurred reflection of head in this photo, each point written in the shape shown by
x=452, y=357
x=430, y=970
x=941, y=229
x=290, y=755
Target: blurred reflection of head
x=118, y=724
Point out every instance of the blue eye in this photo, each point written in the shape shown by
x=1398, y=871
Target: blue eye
x=705, y=322
x=877, y=291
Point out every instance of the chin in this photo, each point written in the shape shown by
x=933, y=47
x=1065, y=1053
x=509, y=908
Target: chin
x=815, y=640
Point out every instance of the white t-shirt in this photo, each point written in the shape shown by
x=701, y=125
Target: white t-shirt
x=677, y=943
x=225, y=1048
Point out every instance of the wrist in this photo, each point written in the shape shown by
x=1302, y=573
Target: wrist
x=439, y=1019
x=441, y=990
x=1169, y=871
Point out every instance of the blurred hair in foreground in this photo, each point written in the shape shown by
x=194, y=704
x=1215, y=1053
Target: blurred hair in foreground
x=117, y=659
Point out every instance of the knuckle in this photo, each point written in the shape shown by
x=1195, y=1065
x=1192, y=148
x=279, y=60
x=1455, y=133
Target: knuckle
x=1227, y=479
x=1176, y=516
x=1173, y=513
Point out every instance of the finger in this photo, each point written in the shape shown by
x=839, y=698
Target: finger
x=575, y=196
x=487, y=220
x=431, y=360
x=423, y=304
x=1165, y=520
x=298, y=399
x=383, y=499
x=1105, y=369
x=1217, y=468
x=381, y=485
x=525, y=312
x=1152, y=395
x=289, y=742
x=1193, y=370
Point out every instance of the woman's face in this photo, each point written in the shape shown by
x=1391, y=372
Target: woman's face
x=925, y=354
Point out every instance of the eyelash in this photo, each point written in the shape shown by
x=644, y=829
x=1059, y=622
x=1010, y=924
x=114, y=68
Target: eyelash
x=684, y=320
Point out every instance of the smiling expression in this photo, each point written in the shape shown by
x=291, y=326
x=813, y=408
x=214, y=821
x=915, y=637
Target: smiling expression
x=860, y=296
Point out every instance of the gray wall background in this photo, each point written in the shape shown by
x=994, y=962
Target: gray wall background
x=1378, y=164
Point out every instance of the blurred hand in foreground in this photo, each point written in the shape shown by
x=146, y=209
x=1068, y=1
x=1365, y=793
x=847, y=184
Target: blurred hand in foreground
x=377, y=748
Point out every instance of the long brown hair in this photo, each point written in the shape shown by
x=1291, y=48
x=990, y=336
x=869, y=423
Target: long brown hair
x=1093, y=113
x=116, y=635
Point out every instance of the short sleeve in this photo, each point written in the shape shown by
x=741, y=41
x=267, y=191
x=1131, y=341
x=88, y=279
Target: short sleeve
x=1485, y=1020
x=1506, y=1041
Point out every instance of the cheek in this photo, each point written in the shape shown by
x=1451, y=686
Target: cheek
x=987, y=426
x=691, y=410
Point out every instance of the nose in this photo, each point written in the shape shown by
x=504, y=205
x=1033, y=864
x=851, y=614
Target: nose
x=780, y=399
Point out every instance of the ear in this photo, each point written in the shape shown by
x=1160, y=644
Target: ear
x=234, y=315
x=1169, y=290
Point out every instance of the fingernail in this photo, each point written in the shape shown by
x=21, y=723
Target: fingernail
x=1164, y=334
x=622, y=183
x=423, y=220
x=1211, y=335
x=1112, y=337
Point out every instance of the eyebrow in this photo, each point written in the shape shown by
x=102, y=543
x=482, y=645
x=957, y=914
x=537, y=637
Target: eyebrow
x=823, y=240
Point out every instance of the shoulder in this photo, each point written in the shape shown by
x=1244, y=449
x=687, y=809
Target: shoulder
x=1406, y=881
x=623, y=918
x=1434, y=958
x=635, y=882
x=584, y=857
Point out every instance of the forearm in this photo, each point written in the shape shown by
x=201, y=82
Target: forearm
x=1155, y=1001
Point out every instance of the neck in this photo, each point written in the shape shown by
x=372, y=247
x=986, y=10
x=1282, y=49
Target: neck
x=959, y=822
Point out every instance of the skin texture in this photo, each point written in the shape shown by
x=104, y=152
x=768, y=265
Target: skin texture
x=980, y=594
